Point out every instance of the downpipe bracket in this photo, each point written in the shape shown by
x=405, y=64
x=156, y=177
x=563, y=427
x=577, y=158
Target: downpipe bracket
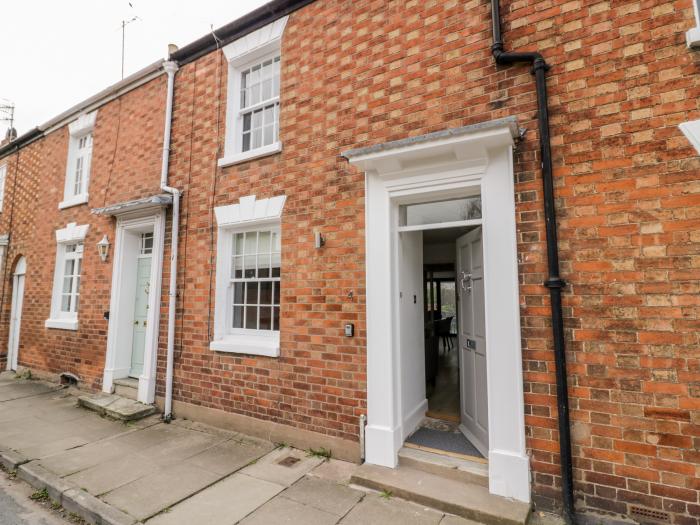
x=555, y=282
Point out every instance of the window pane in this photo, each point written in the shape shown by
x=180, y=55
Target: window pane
x=70, y=263
x=65, y=303
x=67, y=284
x=252, y=294
x=276, y=299
x=251, y=317
x=276, y=318
x=238, y=293
x=438, y=212
x=264, y=266
x=246, y=142
x=237, y=267
x=238, y=240
x=247, y=120
x=265, y=318
x=257, y=138
x=238, y=317
x=266, y=292
x=264, y=242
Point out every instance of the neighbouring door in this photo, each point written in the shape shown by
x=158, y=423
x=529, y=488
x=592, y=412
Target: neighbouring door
x=16, y=314
x=472, y=340
x=143, y=278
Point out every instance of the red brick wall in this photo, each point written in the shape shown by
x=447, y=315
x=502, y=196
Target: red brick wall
x=127, y=150
x=365, y=72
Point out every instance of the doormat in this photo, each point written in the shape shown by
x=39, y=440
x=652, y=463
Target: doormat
x=453, y=442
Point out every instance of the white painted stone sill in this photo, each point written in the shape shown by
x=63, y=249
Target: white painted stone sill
x=268, y=346
x=62, y=324
x=73, y=201
x=238, y=158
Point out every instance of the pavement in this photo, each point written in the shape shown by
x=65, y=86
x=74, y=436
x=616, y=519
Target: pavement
x=118, y=473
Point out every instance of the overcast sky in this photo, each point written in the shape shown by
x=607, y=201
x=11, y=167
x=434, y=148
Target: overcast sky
x=57, y=53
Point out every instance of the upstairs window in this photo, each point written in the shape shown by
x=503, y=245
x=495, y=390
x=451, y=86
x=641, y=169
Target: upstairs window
x=260, y=102
x=79, y=161
x=253, y=104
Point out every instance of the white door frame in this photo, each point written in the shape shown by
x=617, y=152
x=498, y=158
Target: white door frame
x=17, y=303
x=444, y=165
x=119, y=337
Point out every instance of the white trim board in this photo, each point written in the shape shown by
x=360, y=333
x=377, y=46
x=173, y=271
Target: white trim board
x=450, y=164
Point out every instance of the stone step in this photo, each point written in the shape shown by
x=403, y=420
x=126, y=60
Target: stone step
x=116, y=407
x=448, y=467
x=468, y=500
x=127, y=387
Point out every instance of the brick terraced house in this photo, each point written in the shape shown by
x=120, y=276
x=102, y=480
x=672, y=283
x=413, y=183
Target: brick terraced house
x=433, y=235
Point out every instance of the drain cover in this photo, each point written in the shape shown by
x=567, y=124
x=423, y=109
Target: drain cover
x=288, y=461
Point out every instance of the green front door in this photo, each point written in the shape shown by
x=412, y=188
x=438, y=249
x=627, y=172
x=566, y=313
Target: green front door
x=143, y=278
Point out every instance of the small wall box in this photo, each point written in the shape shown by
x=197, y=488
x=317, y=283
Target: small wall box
x=349, y=330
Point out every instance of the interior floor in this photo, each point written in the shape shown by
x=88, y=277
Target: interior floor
x=443, y=397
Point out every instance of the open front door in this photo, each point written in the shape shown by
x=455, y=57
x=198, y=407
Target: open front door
x=472, y=340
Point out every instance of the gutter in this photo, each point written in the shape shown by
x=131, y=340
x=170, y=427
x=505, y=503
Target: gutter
x=554, y=281
x=170, y=68
x=240, y=27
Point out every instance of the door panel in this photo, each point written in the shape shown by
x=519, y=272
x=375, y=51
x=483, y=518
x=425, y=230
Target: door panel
x=15, y=321
x=472, y=340
x=143, y=277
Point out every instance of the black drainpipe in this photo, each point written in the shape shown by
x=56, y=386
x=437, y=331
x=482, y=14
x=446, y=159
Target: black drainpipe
x=554, y=281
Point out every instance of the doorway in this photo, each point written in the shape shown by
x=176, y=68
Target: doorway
x=16, y=313
x=134, y=307
x=453, y=343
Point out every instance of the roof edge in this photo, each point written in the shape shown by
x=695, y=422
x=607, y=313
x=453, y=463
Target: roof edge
x=126, y=84
x=239, y=28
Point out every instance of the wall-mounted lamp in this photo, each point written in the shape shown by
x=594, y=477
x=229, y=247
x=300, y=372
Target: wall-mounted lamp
x=319, y=240
x=103, y=248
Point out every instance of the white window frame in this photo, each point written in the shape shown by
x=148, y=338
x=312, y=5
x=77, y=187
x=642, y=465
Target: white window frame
x=693, y=35
x=71, y=234
x=691, y=130
x=254, y=48
x=249, y=215
x=3, y=177
x=79, y=129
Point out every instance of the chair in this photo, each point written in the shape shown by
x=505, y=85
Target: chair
x=443, y=329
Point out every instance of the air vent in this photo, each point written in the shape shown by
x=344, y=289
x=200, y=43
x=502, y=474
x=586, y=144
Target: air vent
x=652, y=516
x=289, y=461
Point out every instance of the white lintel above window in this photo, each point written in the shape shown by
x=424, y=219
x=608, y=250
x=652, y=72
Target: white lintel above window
x=248, y=280
x=693, y=34
x=79, y=160
x=253, y=103
x=67, y=274
x=692, y=132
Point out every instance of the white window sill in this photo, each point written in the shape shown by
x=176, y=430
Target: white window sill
x=248, y=344
x=62, y=324
x=693, y=37
x=237, y=158
x=73, y=201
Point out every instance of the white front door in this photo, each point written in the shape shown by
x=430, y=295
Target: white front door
x=472, y=340
x=16, y=314
x=143, y=278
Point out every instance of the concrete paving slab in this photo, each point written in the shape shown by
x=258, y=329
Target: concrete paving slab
x=151, y=494
x=324, y=495
x=23, y=389
x=375, y=509
x=282, y=510
x=335, y=470
x=110, y=475
x=226, y=502
x=179, y=447
x=269, y=468
x=229, y=456
x=72, y=461
x=50, y=447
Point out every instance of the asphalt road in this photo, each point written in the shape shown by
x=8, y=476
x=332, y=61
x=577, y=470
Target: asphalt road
x=17, y=509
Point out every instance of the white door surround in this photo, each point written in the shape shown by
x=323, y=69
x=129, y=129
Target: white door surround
x=127, y=247
x=16, y=313
x=446, y=165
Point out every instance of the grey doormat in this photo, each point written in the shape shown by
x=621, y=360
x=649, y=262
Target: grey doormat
x=443, y=440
